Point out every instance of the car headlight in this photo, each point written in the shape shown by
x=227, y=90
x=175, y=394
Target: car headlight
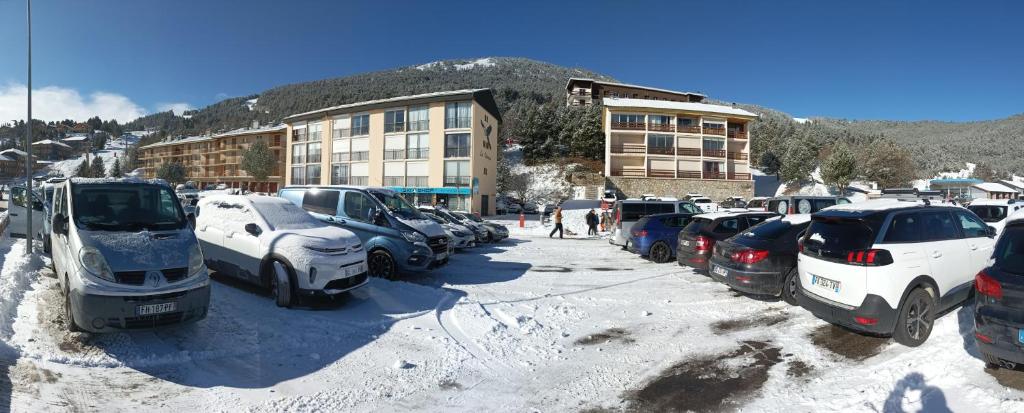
x=195, y=260
x=95, y=264
x=413, y=236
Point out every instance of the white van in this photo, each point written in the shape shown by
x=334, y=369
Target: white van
x=17, y=207
x=125, y=256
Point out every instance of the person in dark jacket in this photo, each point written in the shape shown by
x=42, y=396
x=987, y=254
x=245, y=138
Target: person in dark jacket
x=592, y=222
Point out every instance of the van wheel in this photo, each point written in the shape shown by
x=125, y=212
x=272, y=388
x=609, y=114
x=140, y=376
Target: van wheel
x=382, y=265
x=917, y=315
x=790, y=287
x=660, y=252
x=280, y=284
x=69, y=314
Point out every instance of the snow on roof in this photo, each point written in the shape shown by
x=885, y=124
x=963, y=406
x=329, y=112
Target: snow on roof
x=247, y=131
x=986, y=201
x=387, y=100
x=883, y=204
x=631, y=86
x=725, y=214
x=178, y=141
x=796, y=219
x=5, y=159
x=51, y=142
x=15, y=151
x=76, y=138
x=993, y=187
x=1013, y=184
x=670, y=105
x=128, y=180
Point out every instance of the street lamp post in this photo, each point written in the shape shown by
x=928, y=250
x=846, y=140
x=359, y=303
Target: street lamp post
x=29, y=202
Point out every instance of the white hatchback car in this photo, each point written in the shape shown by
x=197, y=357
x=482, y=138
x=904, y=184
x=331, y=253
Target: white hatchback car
x=271, y=242
x=889, y=266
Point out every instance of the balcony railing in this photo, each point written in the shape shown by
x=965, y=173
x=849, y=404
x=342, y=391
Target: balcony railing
x=632, y=148
x=660, y=127
x=456, y=180
x=688, y=174
x=416, y=181
x=580, y=93
x=661, y=173
x=394, y=181
x=737, y=134
x=745, y=176
x=628, y=125
x=339, y=179
x=360, y=156
x=419, y=125
x=661, y=150
x=714, y=131
x=361, y=130
x=417, y=153
x=394, y=154
x=314, y=136
x=394, y=127
x=739, y=156
x=359, y=180
x=714, y=153
x=713, y=175
x=639, y=172
x=457, y=123
x=460, y=152
x=688, y=151
x=342, y=133
x=688, y=129
x=341, y=157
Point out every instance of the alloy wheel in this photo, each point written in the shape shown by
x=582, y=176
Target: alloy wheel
x=917, y=319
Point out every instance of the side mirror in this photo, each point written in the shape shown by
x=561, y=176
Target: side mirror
x=379, y=219
x=253, y=229
x=38, y=206
x=991, y=231
x=60, y=224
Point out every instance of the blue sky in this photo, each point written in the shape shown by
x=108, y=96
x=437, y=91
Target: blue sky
x=861, y=60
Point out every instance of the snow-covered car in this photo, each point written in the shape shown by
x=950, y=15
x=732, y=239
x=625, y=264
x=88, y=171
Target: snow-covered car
x=495, y=232
x=705, y=203
x=890, y=266
x=461, y=236
x=125, y=256
x=507, y=206
x=478, y=230
x=995, y=211
x=273, y=243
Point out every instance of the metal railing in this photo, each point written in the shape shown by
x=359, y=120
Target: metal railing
x=688, y=128
x=342, y=133
x=456, y=180
x=660, y=127
x=661, y=150
x=629, y=172
x=341, y=157
x=688, y=151
x=457, y=123
x=394, y=181
x=361, y=130
x=339, y=180
x=661, y=173
x=394, y=154
x=737, y=134
x=628, y=125
x=714, y=131
x=298, y=158
x=713, y=175
x=688, y=174
x=315, y=136
x=714, y=153
x=419, y=125
x=394, y=127
x=417, y=153
x=360, y=156
x=630, y=148
x=460, y=152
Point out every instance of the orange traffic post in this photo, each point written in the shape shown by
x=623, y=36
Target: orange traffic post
x=522, y=220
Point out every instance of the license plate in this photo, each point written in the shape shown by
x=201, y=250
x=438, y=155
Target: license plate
x=720, y=271
x=355, y=270
x=151, y=309
x=441, y=256
x=825, y=282
x=686, y=243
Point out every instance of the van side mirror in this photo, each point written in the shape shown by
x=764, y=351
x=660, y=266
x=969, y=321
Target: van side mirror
x=253, y=229
x=60, y=224
x=990, y=231
x=379, y=219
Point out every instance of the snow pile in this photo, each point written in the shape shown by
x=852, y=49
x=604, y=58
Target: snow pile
x=16, y=277
x=485, y=62
x=547, y=181
x=251, y=103
x=967, y=172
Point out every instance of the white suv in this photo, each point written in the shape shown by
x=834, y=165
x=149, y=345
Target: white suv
x=889, y=266
x=271, y=242
x=995, y=211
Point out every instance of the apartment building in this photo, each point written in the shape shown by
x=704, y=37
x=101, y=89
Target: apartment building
x=673, y=148
x=582, y=91
x=432, y=148
x=216, y=159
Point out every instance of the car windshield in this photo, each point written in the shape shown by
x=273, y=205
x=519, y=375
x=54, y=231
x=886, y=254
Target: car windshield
x=471, y=217
x=398, y=206
x=696, y=225
x=285, y=216
x=989, y=213
x=126, y=207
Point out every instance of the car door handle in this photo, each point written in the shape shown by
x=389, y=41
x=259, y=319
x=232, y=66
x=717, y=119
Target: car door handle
x=13, y=214
x=936, y=254
x=974, y=247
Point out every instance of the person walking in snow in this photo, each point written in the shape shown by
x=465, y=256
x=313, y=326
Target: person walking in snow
x=557, y=216
x=591, y=223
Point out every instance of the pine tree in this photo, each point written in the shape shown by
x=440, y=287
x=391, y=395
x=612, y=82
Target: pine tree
x=258, y=160
x=172, y=172
x=83, y=169
x=771, y=164
x=96, y=170
x=888, y=164
x=115, y=171
x=800, y=160
x=839, y=168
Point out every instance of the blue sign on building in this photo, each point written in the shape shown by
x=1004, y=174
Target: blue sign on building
x=441, y=191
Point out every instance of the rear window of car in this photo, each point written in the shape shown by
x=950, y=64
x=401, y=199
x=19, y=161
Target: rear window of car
x=989, y=213
x=728, y=226
x=632, y=211
x=769, y=230
x=1009, y=251
x=833, y=238
x=780, y=205
x=696, y=225
x=321, y=202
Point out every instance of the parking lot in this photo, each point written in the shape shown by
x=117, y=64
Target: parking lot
x=532, y=323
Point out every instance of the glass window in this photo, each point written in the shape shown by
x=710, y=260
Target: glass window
x=660, y=119
x=358, y=206
x=313, y=174
x=755, y=219
x=339, y=174
x=660, y=208
x=417, y=147
x=660, y=141
x=1009, y=251
x=419, y=118
x=632, y=211
x=121, y=207
x=728, y=226
x=361, y=125
x=321, y=201
x=769, y=230
x=394, y=121
x=298, y=175
x=456, y=173
x=714, y=144
x=627, y=118
x=313, y=152
x=314, y=132
x=989, y=213
x=18, y=197
x=457, y=115
x=696, y=225
x=971, y=225
x=903, y=228
x=456, y=145
x=835, y=238
x=938, y=225
x=299, y=153
x=398, y=206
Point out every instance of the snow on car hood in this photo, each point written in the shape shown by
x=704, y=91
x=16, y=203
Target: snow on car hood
x=138, y=251
x=426, y=226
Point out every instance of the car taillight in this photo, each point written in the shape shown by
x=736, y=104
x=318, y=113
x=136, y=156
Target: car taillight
x=800, y=245
x=870, y=258
x=642, y=233
x=703, y=243
x=988, y=286
x=867, y=321
x=983, y=338
x=749, y=256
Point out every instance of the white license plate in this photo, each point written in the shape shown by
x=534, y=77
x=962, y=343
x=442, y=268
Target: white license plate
x=151, y=309
x=720, y=271
x=686, y=243
x=355, y=270
x=825, y=282
x=440, y=256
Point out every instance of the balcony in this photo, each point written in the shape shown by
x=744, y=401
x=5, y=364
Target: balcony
x=629, y=148
x=628, y=125
x=714, y=131
x=341, y=157
x=416, y=182
x=738, y=156
x=660, y=127
x=360, y=130
x=460, y=152
x=394, y=154
x=737, y=134
x=661, y=173
x=360, y=156
x=457, y=123
x=688, y=174
x=396, y=127
x=742, y=176
x=630, y=172
x=394, y=181
x=456, y=180
x=688, y=151
x=661, y=150
x=714, y=153
x=419, y=125
x=580, y=92
x=688, y=129
x=714, y=175
x=342, y=133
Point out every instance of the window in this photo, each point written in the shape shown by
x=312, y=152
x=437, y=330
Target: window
x=714, y=144
x=660, y=141
x=340, y=149
x=417, y=147
x=314, y=132
x=299, y=135
x=728, y=226
x=676, y=222
x=419, y=118
x=1009, y=251
x=457, y=115
x=660, y=120
x=456, y=145
x=394, y=121
x=625, y=118
x=18, y=197
x=972, y=226
x=339, y=174
x=835, y=238
x=313, y=152
x=456, y=173
x=360, y=125
x=754, y=220
x=359, y=206
x=312, y=174
x=298, y=175
x=938, y=226
x=299, y=153
x=321, y=201
x=686, y=122
x=903, y=228
x=989, y=213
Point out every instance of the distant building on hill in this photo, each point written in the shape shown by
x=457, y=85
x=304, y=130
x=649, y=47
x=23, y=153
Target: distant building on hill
x=583, y=91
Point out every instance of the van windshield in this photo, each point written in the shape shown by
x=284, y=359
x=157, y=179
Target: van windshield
x=126, y=207
x=989, y=213
x=398, y=206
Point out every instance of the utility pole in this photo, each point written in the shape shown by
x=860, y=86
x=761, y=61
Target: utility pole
x=29, y=201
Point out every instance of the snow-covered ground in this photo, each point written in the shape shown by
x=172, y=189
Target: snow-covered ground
x=532, y=324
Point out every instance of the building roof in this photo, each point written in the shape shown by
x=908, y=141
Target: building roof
x=204, y=138
x=993, y=187
x=955, y=181
x=670, y=105
x=51, y=142
x=5, y=159
x=1013, y=184
x=483, y=96
x=187, y=139
x=568, y=85
x=76, y=138
x=18, y=152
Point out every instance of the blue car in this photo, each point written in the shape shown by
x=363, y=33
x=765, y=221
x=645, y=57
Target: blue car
x=654, y=236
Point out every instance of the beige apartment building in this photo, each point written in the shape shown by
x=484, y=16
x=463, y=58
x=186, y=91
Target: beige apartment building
x=672, y=148
x=432, y=148
x=583, y=91
x=216, y=159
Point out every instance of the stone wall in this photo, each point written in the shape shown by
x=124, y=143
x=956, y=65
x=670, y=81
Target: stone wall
x=717, y=190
